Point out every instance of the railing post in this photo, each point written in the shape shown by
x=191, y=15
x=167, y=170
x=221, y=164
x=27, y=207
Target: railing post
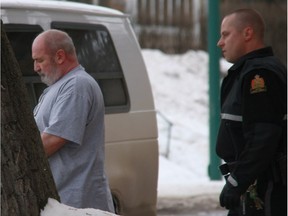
x=214, y=83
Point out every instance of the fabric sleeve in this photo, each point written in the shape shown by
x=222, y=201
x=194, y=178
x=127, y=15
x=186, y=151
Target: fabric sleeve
x=69, y=115
x=262, y=116
x=262, y=97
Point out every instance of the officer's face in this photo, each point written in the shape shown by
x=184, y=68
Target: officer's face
x=231, y=41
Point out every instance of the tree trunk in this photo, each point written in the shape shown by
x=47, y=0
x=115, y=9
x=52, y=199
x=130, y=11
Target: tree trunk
x=26, y=179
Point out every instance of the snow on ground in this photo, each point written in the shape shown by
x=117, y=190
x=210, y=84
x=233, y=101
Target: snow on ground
x=180, y=88
x=54, y=208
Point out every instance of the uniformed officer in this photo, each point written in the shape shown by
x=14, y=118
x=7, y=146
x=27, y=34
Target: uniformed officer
x=252, y=138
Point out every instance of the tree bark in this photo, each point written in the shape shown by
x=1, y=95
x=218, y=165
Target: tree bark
x=26, y=179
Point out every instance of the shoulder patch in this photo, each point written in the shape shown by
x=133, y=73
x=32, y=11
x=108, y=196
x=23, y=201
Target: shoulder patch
x=258, y=85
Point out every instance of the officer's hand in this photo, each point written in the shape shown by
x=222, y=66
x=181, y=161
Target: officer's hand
x=230, y=196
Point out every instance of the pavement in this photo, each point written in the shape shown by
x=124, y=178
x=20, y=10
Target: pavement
x=199, y=205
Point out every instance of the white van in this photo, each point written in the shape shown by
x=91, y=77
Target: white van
x=109, y=51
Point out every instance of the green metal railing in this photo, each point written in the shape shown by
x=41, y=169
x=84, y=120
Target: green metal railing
x=214, y=83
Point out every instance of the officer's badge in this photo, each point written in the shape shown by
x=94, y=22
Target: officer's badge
x=257, y=85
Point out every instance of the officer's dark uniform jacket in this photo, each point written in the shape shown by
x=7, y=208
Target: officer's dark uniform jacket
x=253, y=125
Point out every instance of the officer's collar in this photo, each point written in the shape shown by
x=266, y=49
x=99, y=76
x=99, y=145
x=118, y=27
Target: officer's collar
x=263, y=52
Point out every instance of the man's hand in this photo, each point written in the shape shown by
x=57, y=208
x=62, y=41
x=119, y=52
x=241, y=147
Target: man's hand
x=230, y=196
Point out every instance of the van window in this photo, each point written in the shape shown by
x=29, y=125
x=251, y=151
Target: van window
x=97, y=55
x=21, y=37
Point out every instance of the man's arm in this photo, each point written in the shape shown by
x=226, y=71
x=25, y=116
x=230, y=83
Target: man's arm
x=52, y=143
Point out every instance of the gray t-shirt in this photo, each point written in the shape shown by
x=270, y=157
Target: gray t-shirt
x=73, y=108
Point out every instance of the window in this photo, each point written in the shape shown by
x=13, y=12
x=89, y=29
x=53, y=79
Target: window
x=21, y=37
x=96, y=53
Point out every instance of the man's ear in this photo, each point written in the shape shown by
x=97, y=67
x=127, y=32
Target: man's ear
x=60, y=56
x=248, y=33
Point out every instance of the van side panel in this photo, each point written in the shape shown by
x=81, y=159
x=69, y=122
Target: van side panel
x=136, y=189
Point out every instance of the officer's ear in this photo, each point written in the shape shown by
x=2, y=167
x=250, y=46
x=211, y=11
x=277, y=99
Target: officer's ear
x=248, y=33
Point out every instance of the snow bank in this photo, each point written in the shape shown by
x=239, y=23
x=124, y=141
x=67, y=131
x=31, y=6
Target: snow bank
x=54, y=208
x=180, y=89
